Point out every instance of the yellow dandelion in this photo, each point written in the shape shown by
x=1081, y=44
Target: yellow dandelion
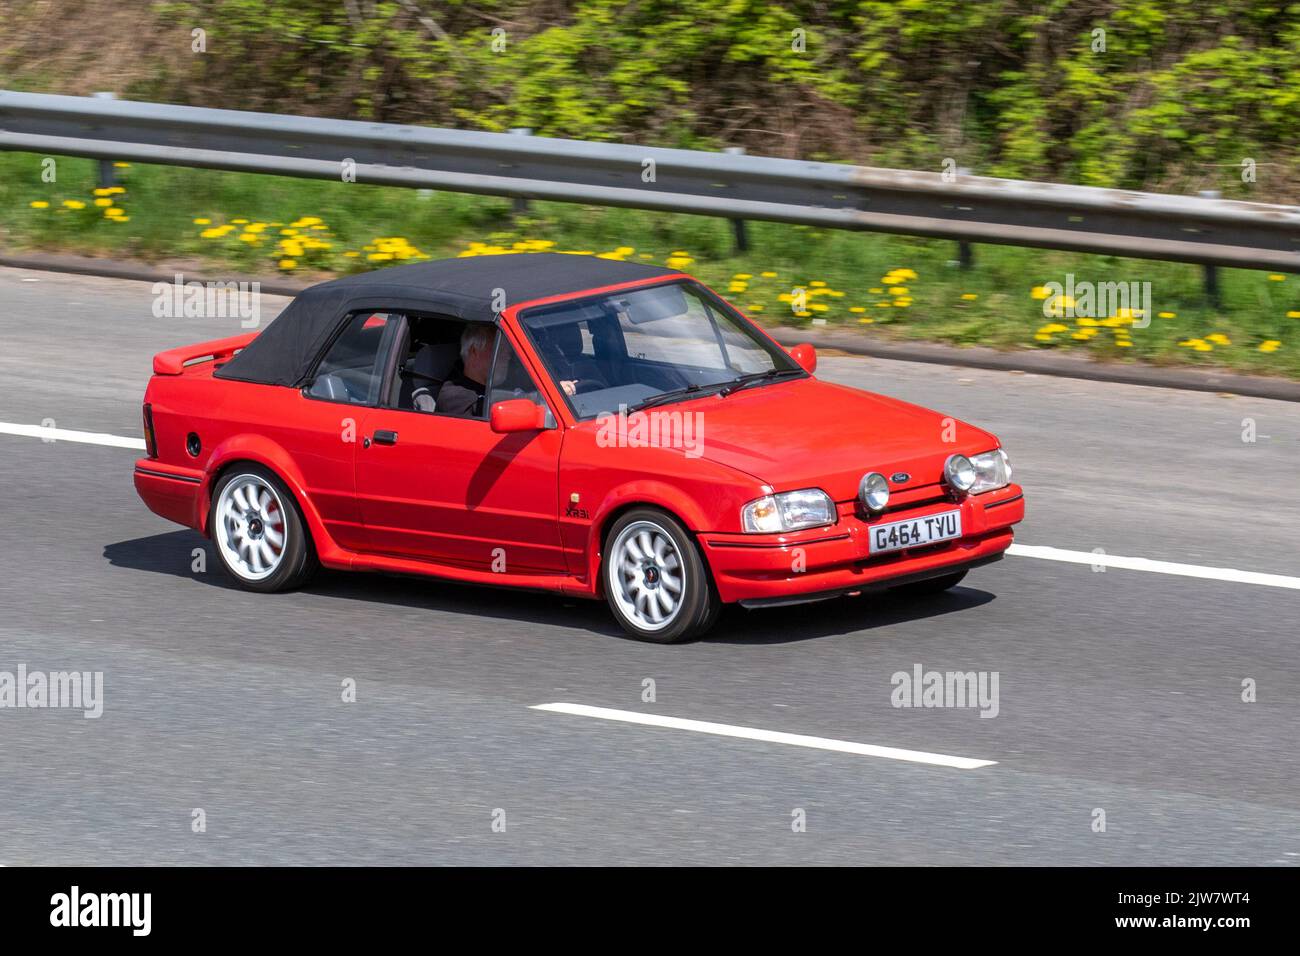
x=1275, y=277
x=39, y=204
x=1218, y=338
x=1271, y=345
x=1040, y=292
x=74, y=204
x=768, y=275
x=1168, y=315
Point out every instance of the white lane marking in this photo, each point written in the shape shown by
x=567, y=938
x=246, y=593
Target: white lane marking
x=769, y=736
x=63, y=434
x=1155, y=567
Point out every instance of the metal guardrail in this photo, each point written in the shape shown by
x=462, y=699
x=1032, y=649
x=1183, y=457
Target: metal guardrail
x=966, y=209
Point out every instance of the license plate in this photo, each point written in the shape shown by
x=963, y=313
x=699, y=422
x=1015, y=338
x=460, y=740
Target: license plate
x=914, y=532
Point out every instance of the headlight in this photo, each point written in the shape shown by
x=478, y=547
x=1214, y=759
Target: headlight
x=788, y=511
x=992, y=471
x=959, y=472
x=873, y=491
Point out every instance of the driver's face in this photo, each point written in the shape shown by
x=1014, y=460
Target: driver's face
x=476, y=362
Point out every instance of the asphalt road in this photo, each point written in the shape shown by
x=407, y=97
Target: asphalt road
x=1119, y=690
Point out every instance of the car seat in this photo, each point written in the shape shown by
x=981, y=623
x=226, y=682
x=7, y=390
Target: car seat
x=426, y=371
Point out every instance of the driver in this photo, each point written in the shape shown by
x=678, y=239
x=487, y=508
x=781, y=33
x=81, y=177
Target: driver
x=462, y=395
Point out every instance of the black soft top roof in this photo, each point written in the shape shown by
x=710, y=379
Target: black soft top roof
x=465, y=289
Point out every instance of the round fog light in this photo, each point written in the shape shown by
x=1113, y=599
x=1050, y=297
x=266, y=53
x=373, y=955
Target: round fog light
x=873, y=491
x=959, y=472
x=192, y=444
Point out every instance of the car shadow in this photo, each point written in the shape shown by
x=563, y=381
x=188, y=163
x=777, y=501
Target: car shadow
x=837, y=616
x=172, y=553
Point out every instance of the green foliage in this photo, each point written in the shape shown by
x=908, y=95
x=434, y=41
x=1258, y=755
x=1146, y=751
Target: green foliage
x=1160, y=94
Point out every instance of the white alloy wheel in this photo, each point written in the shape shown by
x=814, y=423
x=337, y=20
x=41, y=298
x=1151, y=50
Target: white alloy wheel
x=250, y=527
x=645, y=576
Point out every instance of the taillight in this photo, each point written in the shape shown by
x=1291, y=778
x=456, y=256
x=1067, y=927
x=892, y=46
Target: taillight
x=150, y=443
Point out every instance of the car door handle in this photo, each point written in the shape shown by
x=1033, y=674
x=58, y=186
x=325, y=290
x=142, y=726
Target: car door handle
x=383, y=437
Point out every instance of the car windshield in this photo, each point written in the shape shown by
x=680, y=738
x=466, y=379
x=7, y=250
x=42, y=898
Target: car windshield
x=651, y=345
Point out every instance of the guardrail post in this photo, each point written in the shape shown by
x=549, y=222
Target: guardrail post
x=106, y=177
x=520, y=205
x=965, y=254
x=739, y=230
x=1212, y=272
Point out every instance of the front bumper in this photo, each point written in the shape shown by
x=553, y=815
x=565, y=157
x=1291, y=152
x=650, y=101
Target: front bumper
x=825, y=562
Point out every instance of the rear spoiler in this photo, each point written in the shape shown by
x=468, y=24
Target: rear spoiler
x=173, y=361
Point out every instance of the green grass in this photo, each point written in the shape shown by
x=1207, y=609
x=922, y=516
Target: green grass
x=162, y=202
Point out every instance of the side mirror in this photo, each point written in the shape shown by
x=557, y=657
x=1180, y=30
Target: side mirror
x=806, y=356
x=518, y=415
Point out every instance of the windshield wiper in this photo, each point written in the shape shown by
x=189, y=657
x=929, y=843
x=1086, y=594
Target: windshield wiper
x=758, y=378
x=664, y=398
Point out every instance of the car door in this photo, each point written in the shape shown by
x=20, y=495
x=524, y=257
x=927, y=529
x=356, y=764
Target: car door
x=452, y=491
x=318, y=424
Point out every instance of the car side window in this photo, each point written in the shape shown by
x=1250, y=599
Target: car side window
x=352, y=370
x=510, y=379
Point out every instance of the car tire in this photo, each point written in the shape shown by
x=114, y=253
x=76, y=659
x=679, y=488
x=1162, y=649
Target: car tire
x=930, y=585
x=655, y=581
x=258, y=531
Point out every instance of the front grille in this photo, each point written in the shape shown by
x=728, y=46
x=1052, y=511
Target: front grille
x=903, y=499
x=934, y=498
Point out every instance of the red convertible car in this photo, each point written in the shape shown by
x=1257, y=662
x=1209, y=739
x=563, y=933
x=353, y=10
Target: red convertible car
x=589, y=426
